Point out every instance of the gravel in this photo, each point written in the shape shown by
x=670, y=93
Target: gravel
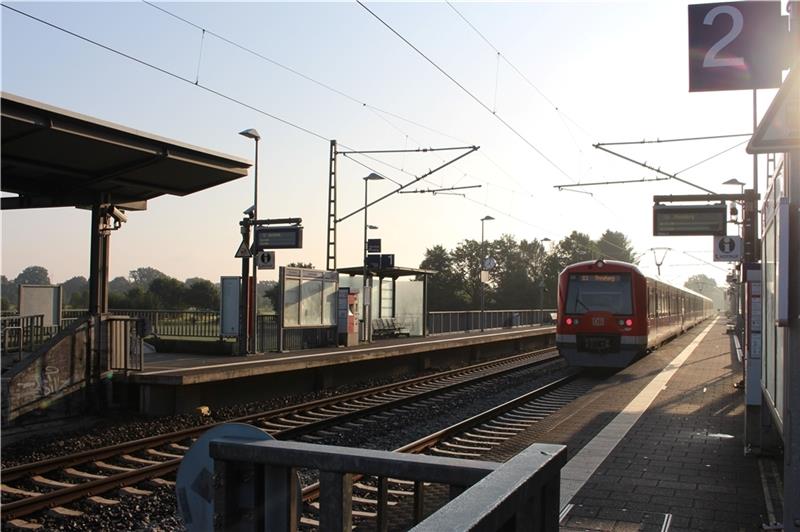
x=158, y=512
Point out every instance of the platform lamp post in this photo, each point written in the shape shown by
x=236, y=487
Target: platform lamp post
x=486, y=218
x=740, y=303
x=545, y=243
x=367, y=304
x=253, y=343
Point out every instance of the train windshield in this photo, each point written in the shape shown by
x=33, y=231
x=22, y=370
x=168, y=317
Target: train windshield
x=605, y=292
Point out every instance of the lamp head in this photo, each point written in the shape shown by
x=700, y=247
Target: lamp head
x=487, y=218
x=372, y=227
x=733, y=181
x=250, y=134
x=374, y=177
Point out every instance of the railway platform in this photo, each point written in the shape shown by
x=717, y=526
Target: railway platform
x=660, y=446
x=180, y=382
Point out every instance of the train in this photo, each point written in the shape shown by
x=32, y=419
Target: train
x=610, y=314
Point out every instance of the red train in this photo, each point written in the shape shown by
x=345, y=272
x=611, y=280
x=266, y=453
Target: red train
x=609, y=313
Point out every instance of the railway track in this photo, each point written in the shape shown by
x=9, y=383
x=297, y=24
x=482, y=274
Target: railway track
x=33, y=487
x=472, y=438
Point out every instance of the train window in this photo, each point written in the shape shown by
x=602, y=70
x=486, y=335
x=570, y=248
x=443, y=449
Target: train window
x=608, y=292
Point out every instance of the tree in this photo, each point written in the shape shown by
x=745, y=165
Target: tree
x=616, y=246
x=169, y=292
x=144, y=276
x=119, y=285
x=202, y=294
x=33, y=275
x=10, y=293
x=705, y=285
x=75, y=292
x=445, y=287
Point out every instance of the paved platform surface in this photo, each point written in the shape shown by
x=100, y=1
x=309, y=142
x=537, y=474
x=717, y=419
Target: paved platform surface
x=182, y=369
x=659, y=445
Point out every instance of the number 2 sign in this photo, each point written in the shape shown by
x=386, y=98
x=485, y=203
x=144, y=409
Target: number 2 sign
x=736, y=46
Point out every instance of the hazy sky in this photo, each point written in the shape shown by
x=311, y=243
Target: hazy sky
x=569, y=75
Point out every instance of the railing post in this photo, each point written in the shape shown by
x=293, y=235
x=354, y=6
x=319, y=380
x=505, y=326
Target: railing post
x=383, y=504
x=419, y=501
x=282, y=505
x=335, y=501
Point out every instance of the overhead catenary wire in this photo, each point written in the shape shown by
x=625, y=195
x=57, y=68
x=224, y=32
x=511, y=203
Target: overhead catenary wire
x=380, y=112
x=301, y=74
x=468, y=92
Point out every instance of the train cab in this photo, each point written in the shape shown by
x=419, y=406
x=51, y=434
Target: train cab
x=602, y=314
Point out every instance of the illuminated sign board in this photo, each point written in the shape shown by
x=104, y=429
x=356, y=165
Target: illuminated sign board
x=689, y=220
x=280, y=237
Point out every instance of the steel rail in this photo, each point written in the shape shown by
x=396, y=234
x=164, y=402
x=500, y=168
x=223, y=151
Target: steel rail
x=57, y=497
x=311, y=492
x=43, y=466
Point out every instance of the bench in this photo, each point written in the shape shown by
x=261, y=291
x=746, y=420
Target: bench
x=388, y=328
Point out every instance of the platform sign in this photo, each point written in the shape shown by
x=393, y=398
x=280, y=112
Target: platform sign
x=737, y=46
x=279, y=237
x=779, y=130
x=265, y=260
x=728, y=248
x=689, y=220
x=374, y=245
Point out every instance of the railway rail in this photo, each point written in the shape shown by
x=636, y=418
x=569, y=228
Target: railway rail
x=472, y=438
x=89, y=474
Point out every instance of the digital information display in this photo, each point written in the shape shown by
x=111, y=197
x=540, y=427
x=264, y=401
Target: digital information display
x=286, y=237
x=689, y=220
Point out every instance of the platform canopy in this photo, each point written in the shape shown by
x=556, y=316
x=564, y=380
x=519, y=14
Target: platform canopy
x=53, y=157
x=394, y=272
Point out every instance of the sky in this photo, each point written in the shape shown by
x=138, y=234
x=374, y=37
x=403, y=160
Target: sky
x=533, y=84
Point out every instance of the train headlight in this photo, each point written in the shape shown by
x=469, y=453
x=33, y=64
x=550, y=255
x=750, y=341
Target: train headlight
x=629, y=322
x=568, y=321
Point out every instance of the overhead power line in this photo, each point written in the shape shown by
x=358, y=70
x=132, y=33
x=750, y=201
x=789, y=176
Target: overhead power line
x=468, y=92
x=684, y=139
x=302, y=75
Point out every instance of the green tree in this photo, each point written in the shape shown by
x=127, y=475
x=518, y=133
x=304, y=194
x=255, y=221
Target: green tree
x=75, y=292
x=703, y=284
x=616, y=246
x=445, y=287
x=144, y=276
x=10, y=293
x=467, y=267
x=169, y=292
x=119, y=285
x=201, y=294
x=33, y=275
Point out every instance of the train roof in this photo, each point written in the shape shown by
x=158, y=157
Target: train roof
x=591, y=264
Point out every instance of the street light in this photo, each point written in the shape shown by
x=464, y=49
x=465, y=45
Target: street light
x=486, y=218
x=546, y=243
x=367, y=307
x=253, y=134
x=735, y=181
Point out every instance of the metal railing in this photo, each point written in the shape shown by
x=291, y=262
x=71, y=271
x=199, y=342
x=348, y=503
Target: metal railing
x=441, y=322
x=23, y=333
x=256, y=487
x=123, y=343
x=183, y=323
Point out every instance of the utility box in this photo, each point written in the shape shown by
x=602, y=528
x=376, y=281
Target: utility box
x=347, y=323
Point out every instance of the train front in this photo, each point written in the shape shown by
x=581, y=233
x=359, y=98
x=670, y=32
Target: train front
x=602, y=320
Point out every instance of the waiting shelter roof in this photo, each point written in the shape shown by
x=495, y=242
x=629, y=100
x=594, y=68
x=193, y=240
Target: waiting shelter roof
x=394, y=272
x=53, y=157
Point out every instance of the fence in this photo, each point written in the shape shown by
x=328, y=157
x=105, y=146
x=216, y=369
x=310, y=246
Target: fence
x=185, y=323
x=24, y=332
x=441, y=322
x=123, y=341
x=256, y=487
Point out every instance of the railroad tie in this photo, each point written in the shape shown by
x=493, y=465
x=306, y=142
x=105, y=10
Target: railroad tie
x=102, y=501
x=21, y=524
x=65, y=513
x=134, y=492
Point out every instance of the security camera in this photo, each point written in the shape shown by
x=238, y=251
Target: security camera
x=250, y=211
x=118, y=215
